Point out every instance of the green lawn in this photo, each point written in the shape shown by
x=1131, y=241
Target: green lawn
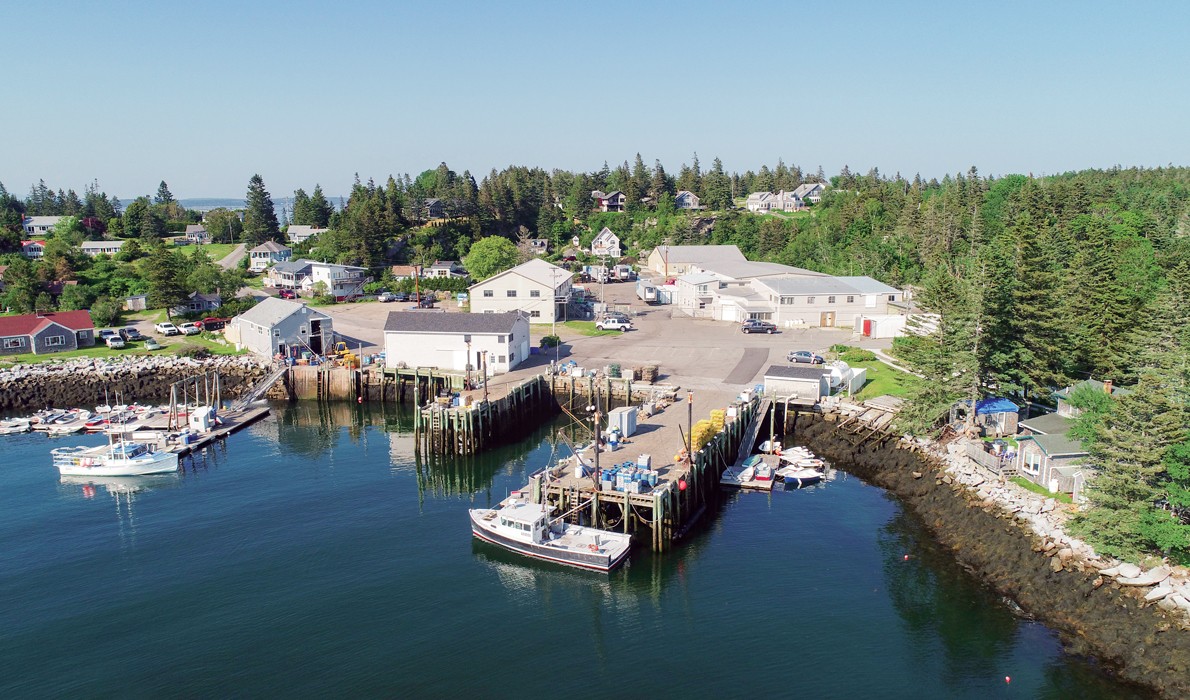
x=97, y=351
x=881, y=378
x=1030, y=486
x=587, y=328
x=211, y=341
x=217, y=251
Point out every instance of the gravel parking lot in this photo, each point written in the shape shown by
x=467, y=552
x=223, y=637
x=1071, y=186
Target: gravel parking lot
x=695, y=353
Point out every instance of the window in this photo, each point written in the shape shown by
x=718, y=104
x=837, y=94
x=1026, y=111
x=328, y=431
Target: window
x=850, y=299
x=809, y=300
x=500, y=359
x=54, y=341
x=489, y=293
x=11, y=343
x=534, y=314
x=1033, y=463
x=535, y=293
x=830, y=300
x=511, y=292
x=892, y=297
x=499, y=339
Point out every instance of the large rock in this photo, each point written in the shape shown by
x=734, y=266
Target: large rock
x=1149, y=578
x=1128, y=570
x=1158, y=593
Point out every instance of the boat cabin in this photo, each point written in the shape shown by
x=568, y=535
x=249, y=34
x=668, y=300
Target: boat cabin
x=527, y=520
x=129, y=450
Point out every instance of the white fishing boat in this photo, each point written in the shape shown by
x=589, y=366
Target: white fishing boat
x=14, y=425
x=528, y=529
x=117, y=458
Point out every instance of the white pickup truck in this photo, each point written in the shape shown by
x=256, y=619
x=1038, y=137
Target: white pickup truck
x=614, y=324
x=166, y=328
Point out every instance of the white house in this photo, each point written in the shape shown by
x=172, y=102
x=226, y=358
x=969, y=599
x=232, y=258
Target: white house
x=606, y=244
x=765, y=202
x=279, y=327
x=93, y=248
x=40, y=225
x=810, y=192
x=460, y=342
x=685, y=199
x=33, y=249
x=610, y=201
x=197, y=234
x=198, y=302
x=445, y=269
x=300, y=233
x=267, y=253
x=342, y=281
x=537, y=288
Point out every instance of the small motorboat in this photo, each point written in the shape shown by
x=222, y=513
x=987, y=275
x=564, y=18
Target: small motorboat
x=799, y=476
x=118, y=458
x=14, y=426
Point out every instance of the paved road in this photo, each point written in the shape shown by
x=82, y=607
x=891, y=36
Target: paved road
x=234, y=257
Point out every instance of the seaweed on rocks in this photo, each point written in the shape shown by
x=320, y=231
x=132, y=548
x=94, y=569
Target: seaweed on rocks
x=1140, y=643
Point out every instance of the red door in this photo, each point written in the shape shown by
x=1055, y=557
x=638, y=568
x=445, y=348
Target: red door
x=867, y=328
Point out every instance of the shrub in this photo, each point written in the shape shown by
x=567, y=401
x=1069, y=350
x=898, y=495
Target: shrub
x=550, y=341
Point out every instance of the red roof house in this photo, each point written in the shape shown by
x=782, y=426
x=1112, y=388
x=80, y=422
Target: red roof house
x=46, y=332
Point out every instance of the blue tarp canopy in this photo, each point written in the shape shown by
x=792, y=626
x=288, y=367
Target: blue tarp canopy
x=994, y=405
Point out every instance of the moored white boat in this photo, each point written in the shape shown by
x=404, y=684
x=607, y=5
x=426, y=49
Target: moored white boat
x=116, y=459
x=14, y=426
x=526, y=528
x=799, y=476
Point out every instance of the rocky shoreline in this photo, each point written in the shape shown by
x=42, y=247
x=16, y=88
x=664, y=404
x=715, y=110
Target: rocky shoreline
x=144, y=379
x=1134, y=621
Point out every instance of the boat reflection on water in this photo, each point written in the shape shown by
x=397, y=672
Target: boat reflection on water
x=124, y=491
x=531, y=577
x=119, y=486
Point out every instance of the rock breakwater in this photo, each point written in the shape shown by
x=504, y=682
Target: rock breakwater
x=143, y=379
x=1131, y=620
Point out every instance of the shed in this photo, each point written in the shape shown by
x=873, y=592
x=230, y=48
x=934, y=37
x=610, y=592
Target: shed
x=623, y=419
x=800, y=384
x=997, y=415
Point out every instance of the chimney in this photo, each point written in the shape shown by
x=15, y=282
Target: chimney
x=1107, y=386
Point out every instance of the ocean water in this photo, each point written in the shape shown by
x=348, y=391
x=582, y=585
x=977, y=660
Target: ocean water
x=313, y=555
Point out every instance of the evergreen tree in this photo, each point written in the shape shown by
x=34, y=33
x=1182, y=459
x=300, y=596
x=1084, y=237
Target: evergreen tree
x=320, y=209
x=164, y=196
x=1128, y=459
x=21, y=286
x=716, y=188
x=260, y=219
x=659, y=184
x=165, y=274
x=301, y=208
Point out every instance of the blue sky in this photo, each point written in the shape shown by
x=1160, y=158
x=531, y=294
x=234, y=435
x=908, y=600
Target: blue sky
x=206, y=94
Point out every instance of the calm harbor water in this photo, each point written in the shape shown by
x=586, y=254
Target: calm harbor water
x=311, y=555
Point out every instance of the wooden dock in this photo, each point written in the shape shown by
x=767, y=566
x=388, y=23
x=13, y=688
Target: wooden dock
x=686, y=487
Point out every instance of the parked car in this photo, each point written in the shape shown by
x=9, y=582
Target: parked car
x=213, y=323
x=114, y=342
x=755, y=326
x=131, y=335
x=614, y=324
x=805, y=356
x=166, y=328
x=106, y=333
x=400, y=296
x=152, y=344
x=386, y=296
x=287, y=294
x=190, y=329
x=426, y=302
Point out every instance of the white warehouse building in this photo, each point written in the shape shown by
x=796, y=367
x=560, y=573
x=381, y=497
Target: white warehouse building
x=455, y=341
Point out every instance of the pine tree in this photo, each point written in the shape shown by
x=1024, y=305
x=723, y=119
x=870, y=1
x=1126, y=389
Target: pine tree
x=659, y=184
x=165, y=274
x=301, y=208
x=260, y=219
x=164, y=196
x=1128, y=460
x=320, y=209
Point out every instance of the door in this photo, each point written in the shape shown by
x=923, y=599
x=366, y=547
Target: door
x=524, y=352
x=867, y=328
x=828, y=319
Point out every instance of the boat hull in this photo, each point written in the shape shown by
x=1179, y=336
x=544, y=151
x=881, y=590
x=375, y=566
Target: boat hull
x=592, y=561
x=155, y=463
